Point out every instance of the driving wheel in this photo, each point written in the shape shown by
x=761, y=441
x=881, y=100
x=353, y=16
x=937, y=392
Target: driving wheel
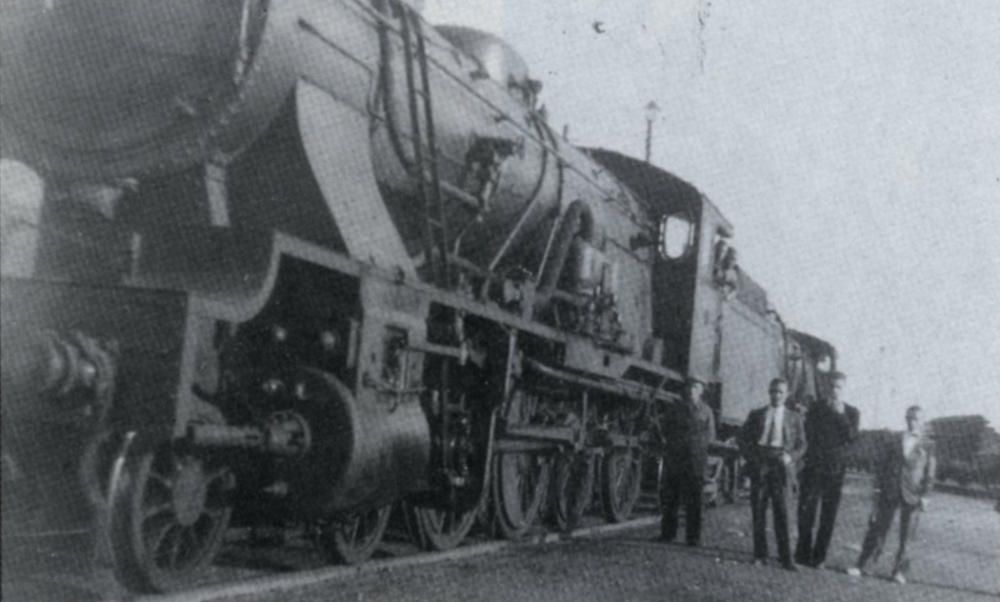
x=572, y=489
x=438, y=529
x=521, y=478
x=168, y=515
x=621, y=481
x=353, y=538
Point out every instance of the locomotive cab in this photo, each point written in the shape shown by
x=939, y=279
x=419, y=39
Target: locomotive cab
x=676, y=259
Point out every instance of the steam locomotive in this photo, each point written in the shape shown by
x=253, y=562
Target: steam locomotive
x=298, y=262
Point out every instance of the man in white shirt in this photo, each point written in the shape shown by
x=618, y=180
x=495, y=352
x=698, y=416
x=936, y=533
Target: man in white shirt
x=904, y=477
x=773, y=441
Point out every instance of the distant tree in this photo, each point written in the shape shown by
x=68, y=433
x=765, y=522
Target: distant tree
x=968, y=450
x=864, y=453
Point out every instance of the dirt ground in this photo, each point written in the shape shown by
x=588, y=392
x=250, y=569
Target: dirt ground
x=956, y=556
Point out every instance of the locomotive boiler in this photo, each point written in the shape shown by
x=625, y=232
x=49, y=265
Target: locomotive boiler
x=299, y=261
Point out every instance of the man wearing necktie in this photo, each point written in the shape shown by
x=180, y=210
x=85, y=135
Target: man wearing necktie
x=773, y=441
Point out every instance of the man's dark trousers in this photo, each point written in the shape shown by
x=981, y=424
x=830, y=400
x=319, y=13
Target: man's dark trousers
x=681, y=485
x=769, y=485
x=687, y=429
x=829, y=434
x=820, y=490
x=878, y=528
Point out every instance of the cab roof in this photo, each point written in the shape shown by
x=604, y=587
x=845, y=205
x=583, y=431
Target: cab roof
x=663, y=191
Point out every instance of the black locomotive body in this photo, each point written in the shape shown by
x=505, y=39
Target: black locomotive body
x=300, y=261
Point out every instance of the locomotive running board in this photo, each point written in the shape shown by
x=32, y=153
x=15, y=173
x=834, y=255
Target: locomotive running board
x=631, y=390
x=535, y=438
x=538, y=438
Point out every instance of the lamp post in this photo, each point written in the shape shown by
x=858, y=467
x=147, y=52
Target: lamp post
x=652, y=110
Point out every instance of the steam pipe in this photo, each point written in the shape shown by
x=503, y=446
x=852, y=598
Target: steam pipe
x=386, y=89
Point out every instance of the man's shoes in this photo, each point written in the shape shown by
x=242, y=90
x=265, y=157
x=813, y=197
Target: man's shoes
x=661, y=538
x=853, y=571
x=788, y=565
x=692, y=543
x=819, y=566
x=760, y=561
x=899, y=578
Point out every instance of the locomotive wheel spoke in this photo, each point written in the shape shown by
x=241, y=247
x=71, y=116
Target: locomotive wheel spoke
x=215, y=515
x=355, y=526
x=161, y=480
x=189, y=539
x=153, y=511
x=156, y=542
x=175, y=548
x=218, y=476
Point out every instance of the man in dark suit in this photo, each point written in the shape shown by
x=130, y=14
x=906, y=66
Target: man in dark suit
x=831, y=425
x=687, y=428
x=772, y=441
x=904, y=476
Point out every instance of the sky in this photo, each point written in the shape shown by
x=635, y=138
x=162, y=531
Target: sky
x=855, y=146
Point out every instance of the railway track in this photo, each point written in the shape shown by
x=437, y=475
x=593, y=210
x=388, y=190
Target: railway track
x=64, y=568
x=285, y=582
